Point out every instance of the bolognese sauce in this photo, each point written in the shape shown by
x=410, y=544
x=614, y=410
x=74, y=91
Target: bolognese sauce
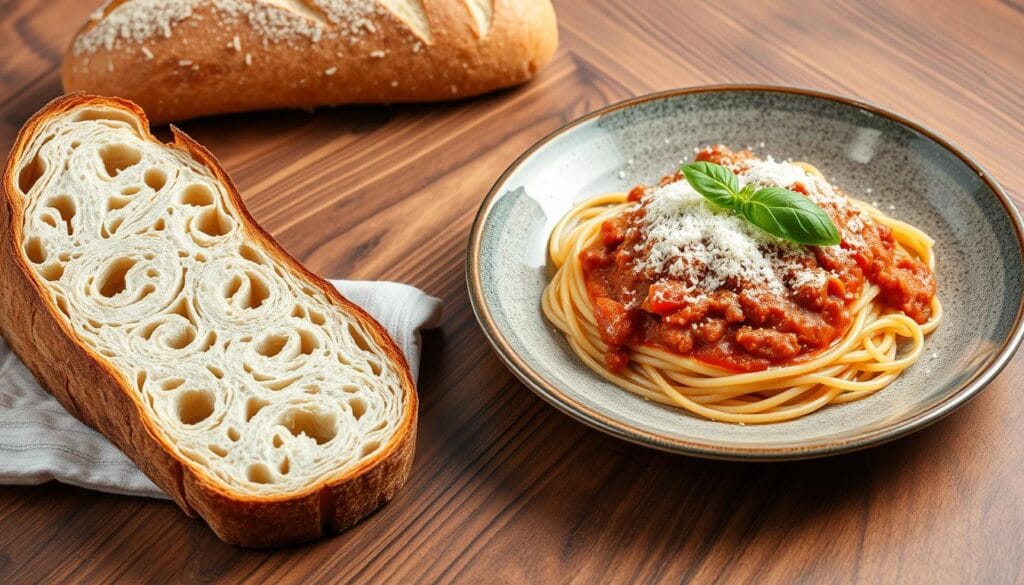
x=733, y=298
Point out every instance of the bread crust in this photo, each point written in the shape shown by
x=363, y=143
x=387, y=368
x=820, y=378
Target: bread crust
x=201, y=69
x=92, y=390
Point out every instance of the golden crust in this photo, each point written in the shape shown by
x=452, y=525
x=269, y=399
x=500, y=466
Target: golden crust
x=90, y=388
x=201, y=69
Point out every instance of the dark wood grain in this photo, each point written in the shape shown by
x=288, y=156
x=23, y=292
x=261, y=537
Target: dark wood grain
x=506, y=489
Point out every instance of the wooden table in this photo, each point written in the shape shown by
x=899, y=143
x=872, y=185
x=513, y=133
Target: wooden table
x=506, y=489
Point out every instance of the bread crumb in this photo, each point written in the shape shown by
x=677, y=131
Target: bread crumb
x=378, y=54
x=394, y=83
x=248, y=59
x=147, y=53
x=455, y=89
x=185, y=63
x=236, y=44
x=417, y=46
x=331, y=71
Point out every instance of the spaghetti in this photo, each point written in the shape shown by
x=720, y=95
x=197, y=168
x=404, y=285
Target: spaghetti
x=730, y=375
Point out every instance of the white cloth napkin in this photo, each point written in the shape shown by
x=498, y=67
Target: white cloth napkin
x=40, y=441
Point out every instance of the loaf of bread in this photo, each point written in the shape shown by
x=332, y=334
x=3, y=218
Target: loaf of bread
x=139, y=291
x=185, y=58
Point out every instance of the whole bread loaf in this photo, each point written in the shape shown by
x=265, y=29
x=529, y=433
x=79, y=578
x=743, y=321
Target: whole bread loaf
x=143, y=296
x=185, y=58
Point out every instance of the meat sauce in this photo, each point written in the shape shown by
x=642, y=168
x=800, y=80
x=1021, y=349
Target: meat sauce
x=737, y=327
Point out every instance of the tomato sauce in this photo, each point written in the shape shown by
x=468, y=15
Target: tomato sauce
x=741, y=327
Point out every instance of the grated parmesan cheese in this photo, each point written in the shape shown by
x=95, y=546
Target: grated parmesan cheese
x=686, y=239
x=704, y=248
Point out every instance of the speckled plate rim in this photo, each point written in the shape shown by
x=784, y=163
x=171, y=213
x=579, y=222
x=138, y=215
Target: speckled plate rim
x=581, y=412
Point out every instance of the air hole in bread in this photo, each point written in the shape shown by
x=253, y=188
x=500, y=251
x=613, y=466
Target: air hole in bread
x=246, y=251
x=277, y=441
x=259, y=377
x=211, y=339
x=110, y=228
x=246, y=292
x=155, y=179
x=65, y=206
x=31, y=173
x=285, y=466
x=311, y=390
x=308, y=342
x=182, y=338
x=62, y=304
x=35, y=250
x=195, y=406
x=197, y=457
x=317, y=317
x=358, y=406
x=115, y=202
x=48, y=220
x=112, y=282
x=369, y=447
x=252, y=407
x=146, y=331
x=213, y=223
x=259, y=473
x=233, y=434
x=129, y=191
x=118, y=157
x=375, y=367
x=159, y=225
x=90, y=114
x=320, y=427
x=217, y=372
x=277, y=385
x=298, y=312
x=52, y=271
x=357, y=337
x=197, y=195
x=183, y=309
x=140, y=379
x=218, y=450
x=271, y=345
x=169, y=384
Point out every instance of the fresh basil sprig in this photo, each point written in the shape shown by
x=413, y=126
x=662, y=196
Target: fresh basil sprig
x=780, y=212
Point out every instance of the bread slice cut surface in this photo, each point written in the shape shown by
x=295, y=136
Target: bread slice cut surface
x=263, y=384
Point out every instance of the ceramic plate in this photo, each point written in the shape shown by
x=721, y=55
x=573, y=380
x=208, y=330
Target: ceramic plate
x=909, y=171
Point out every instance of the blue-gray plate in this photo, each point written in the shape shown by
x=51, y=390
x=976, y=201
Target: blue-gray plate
x=909, y=171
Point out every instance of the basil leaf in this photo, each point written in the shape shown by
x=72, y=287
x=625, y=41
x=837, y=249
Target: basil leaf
x=715, y=182
x=790, y=216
